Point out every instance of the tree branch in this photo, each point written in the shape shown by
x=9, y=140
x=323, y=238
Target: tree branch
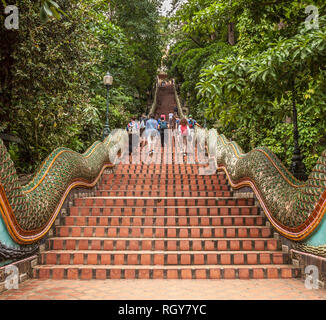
x=194, y=40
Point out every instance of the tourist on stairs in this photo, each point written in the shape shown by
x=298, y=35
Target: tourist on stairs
x=191, y=123
x=142, y=127
x=177, y=122
x=185, y=134
x=151, y=132
x=171, y=115
x=133, y=133
x=162, y=127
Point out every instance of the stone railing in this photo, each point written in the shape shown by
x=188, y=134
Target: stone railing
x=294, y=208
x=179, y=106
x=28, y=212
x=154, y=104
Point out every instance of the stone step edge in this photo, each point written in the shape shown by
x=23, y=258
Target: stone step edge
x=165, y=239
x=201, y=198
x=162, y=207
x=169, y=227
x=85, y=272
x=171, y=217
x=197, y=266
x=165, y=191
x=164, y=252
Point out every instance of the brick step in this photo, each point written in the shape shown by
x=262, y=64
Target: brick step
x=83, y=272
x=189, y=244
x=162, y=221
x=163, y=166
x=192, y=171
x=158, y=181
x=179, y=159
x=146, y=173
x=156, y=193
x=162, y=201
x=164, y=211
x=163, y=232
x=162, y=257
x=148, y=158
x=177, y=187
x=164, y=176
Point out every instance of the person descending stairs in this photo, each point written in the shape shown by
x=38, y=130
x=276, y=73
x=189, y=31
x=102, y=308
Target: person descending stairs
x=164, y=220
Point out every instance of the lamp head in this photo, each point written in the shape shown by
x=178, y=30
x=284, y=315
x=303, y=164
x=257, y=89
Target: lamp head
x=108, y=79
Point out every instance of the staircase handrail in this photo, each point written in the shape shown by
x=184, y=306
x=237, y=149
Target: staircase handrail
x=154, y=104
x=180, y=111
x=295, y=209
x=28, y=212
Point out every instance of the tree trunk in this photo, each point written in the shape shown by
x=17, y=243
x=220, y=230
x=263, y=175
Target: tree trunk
x=231, y=34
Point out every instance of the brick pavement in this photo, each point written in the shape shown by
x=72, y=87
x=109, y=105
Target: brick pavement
x=265, y=289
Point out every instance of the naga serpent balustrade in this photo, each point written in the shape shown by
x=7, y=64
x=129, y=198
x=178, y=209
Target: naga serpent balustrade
x=295, y=209
x=28, y=212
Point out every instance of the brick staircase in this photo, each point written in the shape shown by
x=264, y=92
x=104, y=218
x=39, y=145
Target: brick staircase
x=163, y=222
x=165, y=100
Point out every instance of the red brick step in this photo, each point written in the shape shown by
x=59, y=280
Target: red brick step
x=89, y=272
x=164, y=211
x=163, y=222
x=166, y=232
x=170, y=244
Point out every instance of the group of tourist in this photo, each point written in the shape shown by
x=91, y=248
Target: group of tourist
x=156, y=125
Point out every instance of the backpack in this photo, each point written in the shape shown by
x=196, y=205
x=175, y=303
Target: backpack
x=191, y=124
x=142, y=124
x=184, y=130
x=163, y=125
x=132, y=127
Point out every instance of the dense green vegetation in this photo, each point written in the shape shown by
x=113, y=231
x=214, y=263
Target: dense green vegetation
x=51, y=71
x=244, y=63
x=241, y=64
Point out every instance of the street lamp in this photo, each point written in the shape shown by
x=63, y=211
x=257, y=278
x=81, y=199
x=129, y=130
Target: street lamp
x=107, y=80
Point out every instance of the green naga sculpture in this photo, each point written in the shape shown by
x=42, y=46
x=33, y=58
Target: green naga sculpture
x=28, y=212
x=295, y=209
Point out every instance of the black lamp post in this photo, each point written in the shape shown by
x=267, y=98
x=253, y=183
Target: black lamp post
x=298, y=168
x=107, y=80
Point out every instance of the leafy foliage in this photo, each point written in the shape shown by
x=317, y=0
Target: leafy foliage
x=52, y=93
x=249, y=89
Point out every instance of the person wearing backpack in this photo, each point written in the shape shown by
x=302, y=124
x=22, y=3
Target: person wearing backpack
x=142, y=128
x=151, y=132
x=192, y=122
x=171, y=115
x=133, y=132
x=177, y=122
x=184, y=131
x=163, y=126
